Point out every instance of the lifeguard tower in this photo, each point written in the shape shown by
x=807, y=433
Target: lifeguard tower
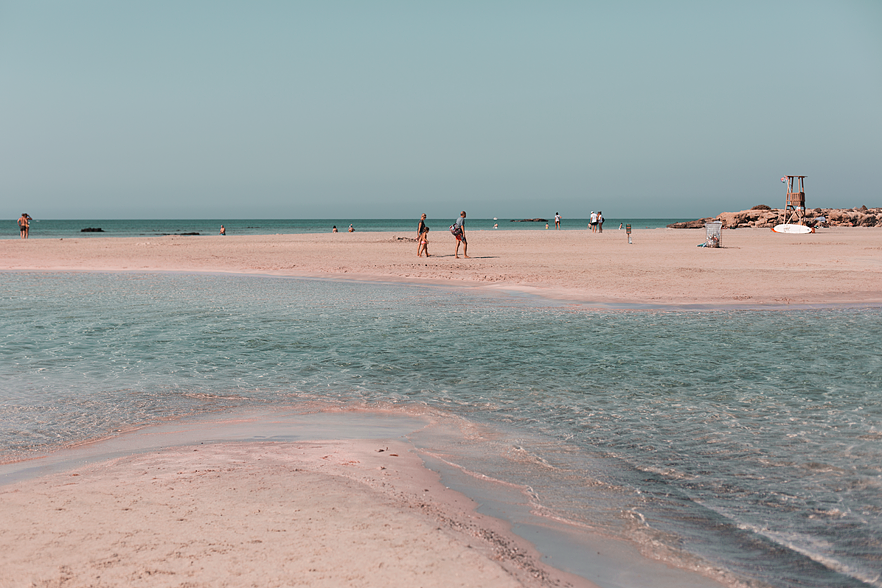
x=794, y=211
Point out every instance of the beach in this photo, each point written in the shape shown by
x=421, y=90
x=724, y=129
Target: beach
x=367, y=511
x=331, y=513
x=754, y=267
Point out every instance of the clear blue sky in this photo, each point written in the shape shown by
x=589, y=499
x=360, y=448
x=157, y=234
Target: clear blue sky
x=219, y=109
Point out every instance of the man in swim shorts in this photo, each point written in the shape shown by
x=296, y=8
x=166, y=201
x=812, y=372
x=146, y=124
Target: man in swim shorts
x=23, y=225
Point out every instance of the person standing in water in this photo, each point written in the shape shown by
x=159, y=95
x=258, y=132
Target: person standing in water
x=421, y=228
x=223, y=231
x=458, y=230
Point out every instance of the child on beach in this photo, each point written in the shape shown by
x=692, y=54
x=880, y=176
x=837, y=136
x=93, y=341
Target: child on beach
x=424, y=243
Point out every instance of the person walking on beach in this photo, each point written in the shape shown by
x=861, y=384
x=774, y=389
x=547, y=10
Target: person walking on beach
x=24, y=225
x=592, y=224
x=421, y=228
x=556, y=221
x=458, y=230
x=599, y=221
x=424, y=243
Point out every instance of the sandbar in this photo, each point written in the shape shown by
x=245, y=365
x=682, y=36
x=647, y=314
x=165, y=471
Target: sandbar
x=754, y=267
x=305, y=513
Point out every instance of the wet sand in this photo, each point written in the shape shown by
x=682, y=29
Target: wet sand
x=308, y=513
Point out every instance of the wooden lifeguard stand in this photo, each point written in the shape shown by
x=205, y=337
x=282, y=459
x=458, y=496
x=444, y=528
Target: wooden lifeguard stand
x=794, y=211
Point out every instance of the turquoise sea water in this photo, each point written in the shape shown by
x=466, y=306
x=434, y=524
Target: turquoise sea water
x=748, y=443
x=68, y=229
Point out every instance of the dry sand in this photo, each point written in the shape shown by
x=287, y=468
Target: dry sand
x=341, y=513
x=663, y=266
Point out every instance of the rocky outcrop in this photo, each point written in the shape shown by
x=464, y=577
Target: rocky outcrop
x=696, y=224
x=760, y=216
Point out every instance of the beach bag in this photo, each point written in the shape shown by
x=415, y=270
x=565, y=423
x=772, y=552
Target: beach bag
x=455, y=230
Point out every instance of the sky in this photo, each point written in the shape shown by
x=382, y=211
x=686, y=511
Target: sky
x=511, y=109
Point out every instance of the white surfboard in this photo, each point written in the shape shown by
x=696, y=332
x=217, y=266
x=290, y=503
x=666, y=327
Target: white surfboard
x=793, y=229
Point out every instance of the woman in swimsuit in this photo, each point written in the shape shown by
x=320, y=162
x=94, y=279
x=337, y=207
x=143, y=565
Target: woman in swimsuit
x=420, y=230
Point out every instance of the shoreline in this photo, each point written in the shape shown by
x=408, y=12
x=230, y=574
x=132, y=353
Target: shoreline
x=311, y=499
x=755, y=268
x=387, y=521
x=537, y=293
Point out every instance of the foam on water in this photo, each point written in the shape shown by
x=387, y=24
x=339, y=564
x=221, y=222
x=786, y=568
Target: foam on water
x=745, y=444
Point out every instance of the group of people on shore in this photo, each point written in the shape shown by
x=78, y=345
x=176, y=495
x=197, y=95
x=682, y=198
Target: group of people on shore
x=457, y=229
x=596, y=222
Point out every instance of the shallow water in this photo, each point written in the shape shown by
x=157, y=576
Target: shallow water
x=746, y=444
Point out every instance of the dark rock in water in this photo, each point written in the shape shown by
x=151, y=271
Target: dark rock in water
x=530, y=220
x=91, y=230
x=696, y=224
x=182, y=234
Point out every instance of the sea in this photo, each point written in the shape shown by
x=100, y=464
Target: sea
x=69, y=229
x=741, y=444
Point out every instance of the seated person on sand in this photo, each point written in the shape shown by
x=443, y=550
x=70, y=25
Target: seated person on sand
x=424, y=243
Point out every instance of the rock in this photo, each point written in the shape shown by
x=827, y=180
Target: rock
x=763, y=217
x=530, y=220
x=696, y=224
x=92, y=230
x=762, y=207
